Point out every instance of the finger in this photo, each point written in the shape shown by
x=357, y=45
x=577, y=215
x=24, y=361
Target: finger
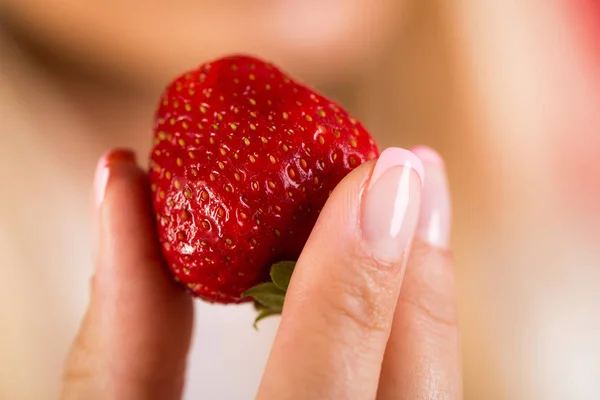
x=135, y=336
x=340, y=304
x=422, y=359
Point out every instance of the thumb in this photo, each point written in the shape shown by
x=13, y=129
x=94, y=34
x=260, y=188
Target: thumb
x=134, y=339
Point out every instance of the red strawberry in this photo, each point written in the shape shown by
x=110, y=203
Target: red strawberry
x=244, y=159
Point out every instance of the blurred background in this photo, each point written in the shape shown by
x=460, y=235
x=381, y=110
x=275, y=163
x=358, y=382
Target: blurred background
x=507, y=91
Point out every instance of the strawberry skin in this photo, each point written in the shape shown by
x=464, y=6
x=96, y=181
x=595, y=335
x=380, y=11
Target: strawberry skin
x=244, y=159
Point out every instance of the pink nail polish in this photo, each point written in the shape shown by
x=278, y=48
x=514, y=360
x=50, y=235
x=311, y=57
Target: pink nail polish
x=103, y=170
x=435, y=216
x=428, y=155
x=391, y=204
x=394, y=157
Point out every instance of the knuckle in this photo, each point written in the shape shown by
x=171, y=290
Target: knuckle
x=422, y=251
x=357, y=300
x=429, y=286
x=432, y=314
x=78, y=367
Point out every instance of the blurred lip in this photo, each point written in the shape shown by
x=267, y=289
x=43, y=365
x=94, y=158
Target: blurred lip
x=587, y=15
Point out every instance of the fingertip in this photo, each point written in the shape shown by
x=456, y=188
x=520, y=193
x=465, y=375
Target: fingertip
x=128, y=242
x=428, y=155
x=109, y=161
x=120, y=201
x=435, y=215
x=390, y=206
x=395, y=156
x=108, y=164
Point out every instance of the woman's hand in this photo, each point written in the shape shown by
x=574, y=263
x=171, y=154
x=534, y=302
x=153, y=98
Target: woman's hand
x=369, y=314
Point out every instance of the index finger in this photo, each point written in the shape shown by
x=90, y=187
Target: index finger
x=341, y=300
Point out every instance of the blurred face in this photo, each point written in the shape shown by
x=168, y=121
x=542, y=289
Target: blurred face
x=157, y=39
x=576, y=150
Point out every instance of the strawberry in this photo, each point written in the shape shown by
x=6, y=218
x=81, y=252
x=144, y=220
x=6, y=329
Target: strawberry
x=244, y=159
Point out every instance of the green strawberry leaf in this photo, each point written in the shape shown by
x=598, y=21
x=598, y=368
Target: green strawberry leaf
x=266, y=312
x=259, y=307
x=267, y=294
x=270, y=296
x=281, y=273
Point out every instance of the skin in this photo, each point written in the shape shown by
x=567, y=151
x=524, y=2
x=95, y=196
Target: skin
x=153, y=43
x=478, y=351
x=106, y=45
x=386, y=330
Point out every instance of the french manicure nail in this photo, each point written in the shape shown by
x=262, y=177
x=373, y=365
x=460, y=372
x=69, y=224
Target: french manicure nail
x=435, y=215
x=391, y=204
x=103, y=171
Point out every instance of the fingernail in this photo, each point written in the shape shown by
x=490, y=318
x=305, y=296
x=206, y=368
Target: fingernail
x=391, y=204
x=435, y=215
x=103, y=171
x=106, y=162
